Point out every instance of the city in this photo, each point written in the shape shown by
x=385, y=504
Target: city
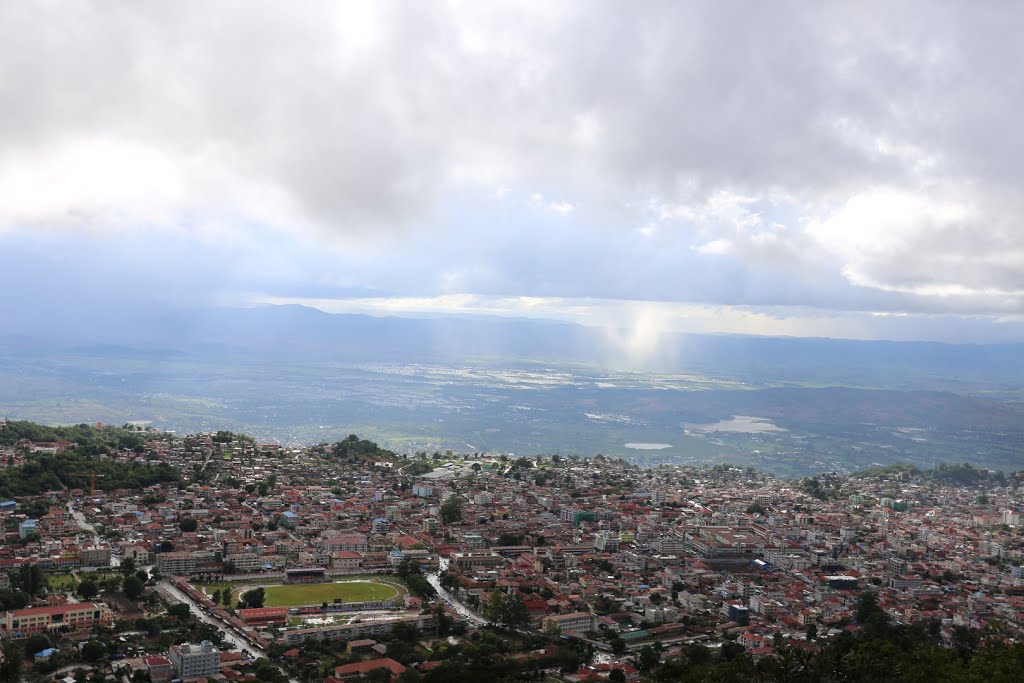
x=343, y=561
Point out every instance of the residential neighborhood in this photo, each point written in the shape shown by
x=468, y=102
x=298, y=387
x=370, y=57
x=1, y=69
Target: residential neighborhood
x=343, y=560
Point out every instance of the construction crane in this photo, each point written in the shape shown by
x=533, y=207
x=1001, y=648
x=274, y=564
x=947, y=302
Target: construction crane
x=92, y=480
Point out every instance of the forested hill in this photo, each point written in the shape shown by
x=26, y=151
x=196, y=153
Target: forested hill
x=354, y=448
x=73, y=467
x=86, y=438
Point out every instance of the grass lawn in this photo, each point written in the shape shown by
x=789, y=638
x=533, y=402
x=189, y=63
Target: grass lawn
x=209, y=588
x=62, y=582
x=316, y=593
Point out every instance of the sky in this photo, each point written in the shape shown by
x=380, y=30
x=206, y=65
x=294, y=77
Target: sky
x=786, y=168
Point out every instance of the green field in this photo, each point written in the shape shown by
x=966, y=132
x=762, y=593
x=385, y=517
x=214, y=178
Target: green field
x=316, y=593
x=62, y=582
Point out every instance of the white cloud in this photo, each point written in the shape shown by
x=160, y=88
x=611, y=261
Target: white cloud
x=836, y=156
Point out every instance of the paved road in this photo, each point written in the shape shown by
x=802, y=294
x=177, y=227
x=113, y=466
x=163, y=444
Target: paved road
x=451, y=600
x=227, y=631
x=79, y=518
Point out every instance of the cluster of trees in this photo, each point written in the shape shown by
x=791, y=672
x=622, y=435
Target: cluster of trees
x=252, y=599
x=73, y=469
x=505, y=609
x=87, y=438
x=485, y=656
x=354, y=448
x=451, y=510
x=965, y=474
x=880, y=651
x=409, y=570
x=822, y=486
x=223, y=436
x=222, y=597
x=131, y=581
x=27, y=582
x=956, y=474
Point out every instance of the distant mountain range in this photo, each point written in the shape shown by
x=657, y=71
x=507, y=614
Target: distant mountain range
x=303, y=333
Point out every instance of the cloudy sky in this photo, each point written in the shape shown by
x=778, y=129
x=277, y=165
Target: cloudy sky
x=831, y=169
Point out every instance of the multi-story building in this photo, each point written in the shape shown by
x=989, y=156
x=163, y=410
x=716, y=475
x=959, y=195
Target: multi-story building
x=195, y=660
x=336, y=542
x=606, y=542
x=472, y=560
x=176, y=563
x=670, y=545
x=574, y=623
x=27, y=527
x=30, y=621
x=160, y=669
x=95, y=557
x=347, y=560
x=246, y=562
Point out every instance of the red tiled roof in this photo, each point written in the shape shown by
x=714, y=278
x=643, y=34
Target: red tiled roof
x=365, y=667
x=53, y=609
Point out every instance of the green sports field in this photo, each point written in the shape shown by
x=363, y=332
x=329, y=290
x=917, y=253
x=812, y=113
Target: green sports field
x=317, y=593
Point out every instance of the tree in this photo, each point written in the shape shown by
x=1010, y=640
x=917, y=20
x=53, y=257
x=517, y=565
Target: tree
x=127, y=566
x=866, y=607
x=516, y=612
x=617, y=676
x=10, y=669
x=88, y=589
x=618, y=646
x=510, y=538
x=494, y=607
x=134, y=587
x=189, y=524
x=36, y=643
x=254, y=599
x=451, y=510
x=812, y=631
x=379, y=675
x=410, y=675
x=10, y=599
x=180, y=611
x=31, y=579
x=216, y=597
x=93, y=651
x=647, y=658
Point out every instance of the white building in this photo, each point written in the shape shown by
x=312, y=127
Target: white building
x=195, y=660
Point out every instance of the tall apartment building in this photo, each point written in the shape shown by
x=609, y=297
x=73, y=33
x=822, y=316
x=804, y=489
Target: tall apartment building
x=195, y=660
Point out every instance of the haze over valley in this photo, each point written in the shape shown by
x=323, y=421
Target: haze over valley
x=299, y=376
